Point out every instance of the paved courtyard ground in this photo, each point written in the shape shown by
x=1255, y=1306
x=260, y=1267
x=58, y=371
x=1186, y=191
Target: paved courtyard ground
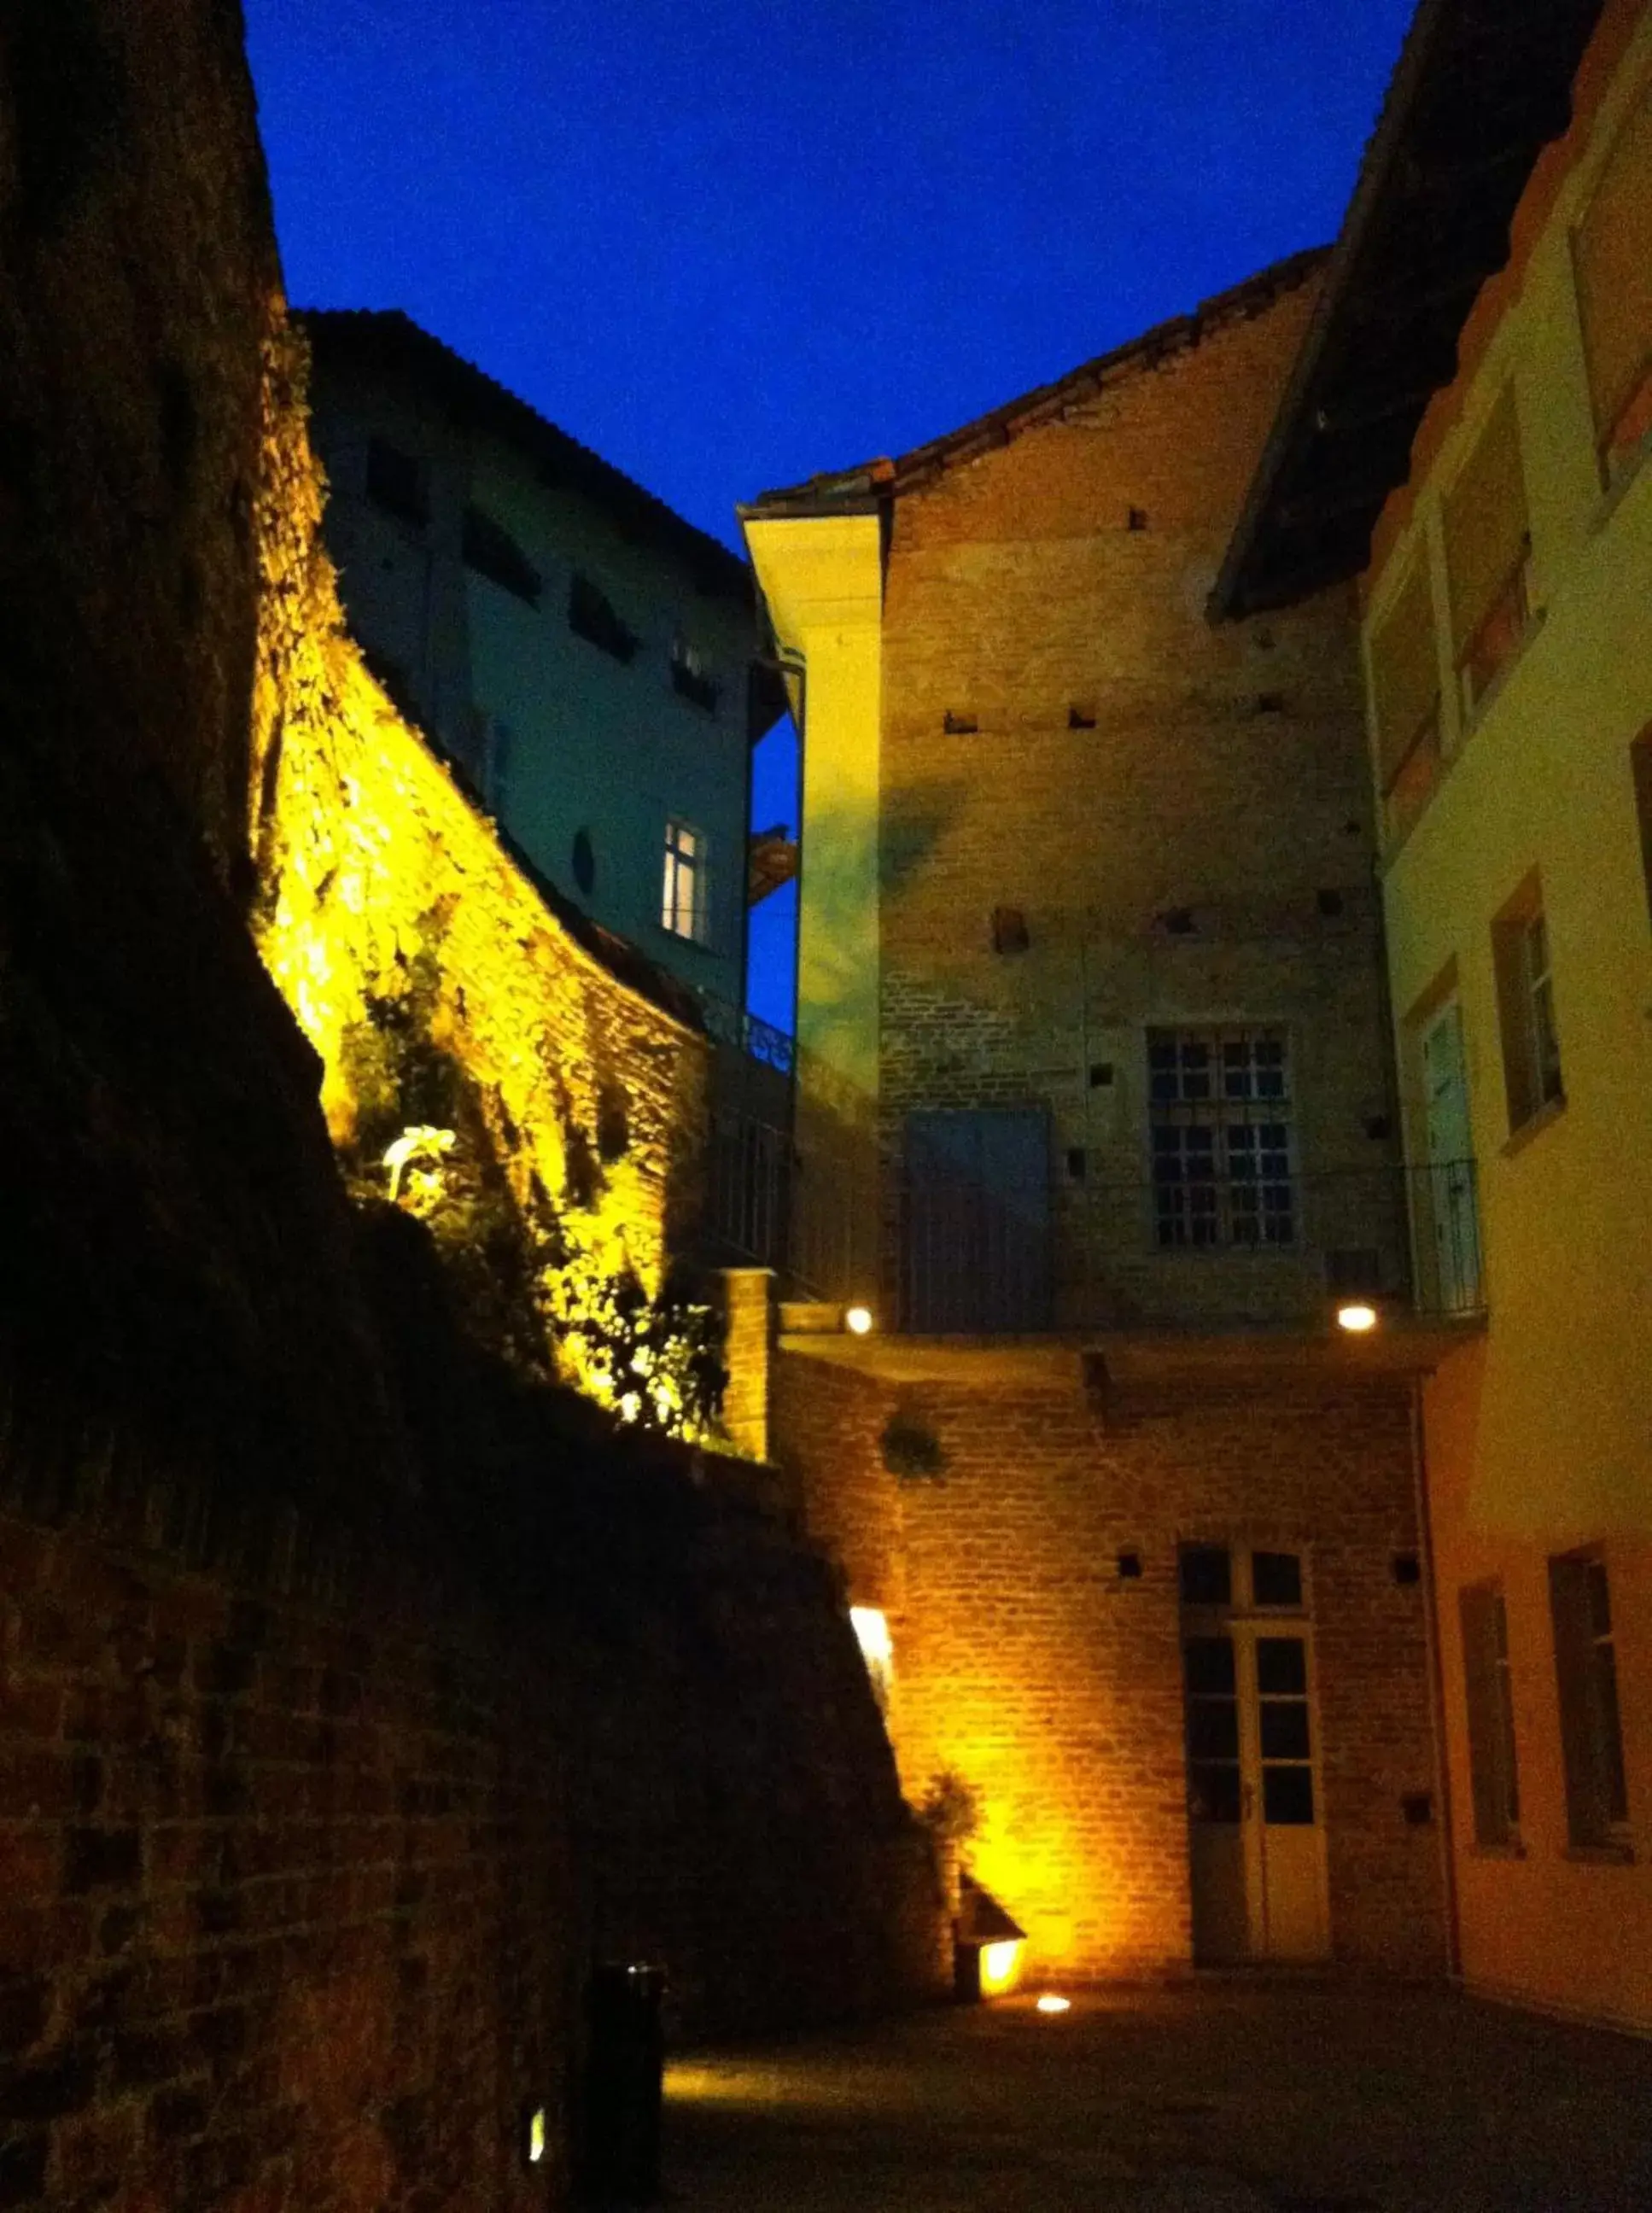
x=1226, y=2099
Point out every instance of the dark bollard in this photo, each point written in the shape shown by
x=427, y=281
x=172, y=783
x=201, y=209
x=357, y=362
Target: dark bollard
x=623, y=2069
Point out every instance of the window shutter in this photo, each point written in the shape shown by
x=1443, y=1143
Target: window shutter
x=1477, y=1609
x=1404, y=672
x=1486, y=525
x=1613, y=250
x=1588, y=1818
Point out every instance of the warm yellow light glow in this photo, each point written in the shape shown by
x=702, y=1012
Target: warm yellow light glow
x=871, y=1628
x=1000, y=1966
x=536, y=2136
x=857, y=1320
x=1357, y=1317
x=1050, y=2003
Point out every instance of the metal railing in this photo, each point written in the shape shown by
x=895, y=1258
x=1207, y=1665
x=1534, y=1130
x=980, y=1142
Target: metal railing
x=729, y=1024
x=943, y=1254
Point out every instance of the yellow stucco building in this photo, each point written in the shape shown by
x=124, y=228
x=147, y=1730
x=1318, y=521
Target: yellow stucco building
x=1497, y=413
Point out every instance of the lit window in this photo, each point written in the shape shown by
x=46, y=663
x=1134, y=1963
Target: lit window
x=1488, y=552
x=1586, y=1669
x=1220, y=1131
x=686, y=907
x=1531, y=1043
x=1613, y=260
x=1493, y=1774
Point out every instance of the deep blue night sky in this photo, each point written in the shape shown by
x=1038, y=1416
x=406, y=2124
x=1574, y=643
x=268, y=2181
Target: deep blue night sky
x=729, y=242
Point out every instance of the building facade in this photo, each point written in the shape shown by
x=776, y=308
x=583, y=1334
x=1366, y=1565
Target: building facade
x=585, y=657
x=1508, y=648
x=1095, y=1117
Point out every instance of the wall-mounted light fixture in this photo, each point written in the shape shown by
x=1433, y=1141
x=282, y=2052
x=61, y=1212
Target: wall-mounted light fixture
x=857, y=1320
x=535, y=2141
x=1356, y=1316
x=871, y=1627
x=1050, y=2003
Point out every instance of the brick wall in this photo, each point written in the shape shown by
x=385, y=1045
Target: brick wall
x=1168, y=859
x=287, y=1910
x=1026, y=1661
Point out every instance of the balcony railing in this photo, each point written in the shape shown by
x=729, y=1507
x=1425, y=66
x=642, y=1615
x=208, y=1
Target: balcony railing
x=945, y=1254
x=748, y=1033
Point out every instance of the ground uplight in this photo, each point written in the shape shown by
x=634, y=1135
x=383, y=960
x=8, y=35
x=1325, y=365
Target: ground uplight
x=1050, y=2003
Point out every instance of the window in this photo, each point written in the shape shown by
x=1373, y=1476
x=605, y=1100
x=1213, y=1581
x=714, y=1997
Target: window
x=1612, y=255
x=1493, y=1776
x=1531, y=1044
x=395, y=482
x=1640, y=769
x=1585, y=1672
x=489, y=548
x=481, y=753
x=686, y=907
x=1488, y=550
x=690, y=676
x=1220, y=1108
x=592, y=616
x=1405, y=700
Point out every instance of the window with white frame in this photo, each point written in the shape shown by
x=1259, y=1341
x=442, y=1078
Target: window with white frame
x=1219, y=1107
x=685, y=905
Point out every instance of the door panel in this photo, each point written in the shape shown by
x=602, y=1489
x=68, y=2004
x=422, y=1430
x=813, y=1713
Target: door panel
x=1216, y=1807
x=977, y=1222
x=1255, y=1826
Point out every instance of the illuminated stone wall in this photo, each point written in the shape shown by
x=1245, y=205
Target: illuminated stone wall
x=394, y=918
x=1027, y=1664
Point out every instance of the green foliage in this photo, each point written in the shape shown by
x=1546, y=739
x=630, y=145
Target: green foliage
x=528, y=1280
x=911, y=1451
x=950, y=1810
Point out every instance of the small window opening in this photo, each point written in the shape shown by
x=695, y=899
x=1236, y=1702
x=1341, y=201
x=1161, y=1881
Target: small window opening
x=1269, y=703
x=1407, y=1569
x=1130, y=1566
x=1178, y=921
x=1081, y=718
x=395, y=482
x=1135, y=518
x=1075, y=1163
x=958, y=726
x=489, y=548
x=1377, y=1126
x=1009, y=932
x=1329, y=902
x=592, y=616
x=1100, y=1075
x=692, y=678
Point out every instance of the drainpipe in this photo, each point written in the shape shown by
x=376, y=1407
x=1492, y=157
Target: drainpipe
x=1436, y=1687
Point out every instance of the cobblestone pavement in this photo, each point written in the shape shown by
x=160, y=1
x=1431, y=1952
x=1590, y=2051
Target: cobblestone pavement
x=1220, y=2100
